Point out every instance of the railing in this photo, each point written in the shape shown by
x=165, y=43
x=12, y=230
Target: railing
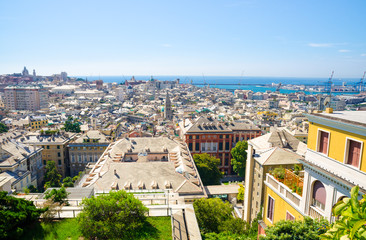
x=344, y=171
x=293, y=181
x=273, y=182
x=283, y=190
x=314, y=213
x=154, y=211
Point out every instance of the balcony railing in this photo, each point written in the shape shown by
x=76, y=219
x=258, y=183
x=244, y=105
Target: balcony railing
x=284, y=191
x=344, y=171
x=314, y=213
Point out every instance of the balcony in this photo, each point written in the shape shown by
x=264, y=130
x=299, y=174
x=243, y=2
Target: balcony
x=341, y=170
x=283, y=190
x=314, y=213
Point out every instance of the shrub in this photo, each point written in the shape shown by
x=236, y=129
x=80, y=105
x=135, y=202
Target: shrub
x=117, y=215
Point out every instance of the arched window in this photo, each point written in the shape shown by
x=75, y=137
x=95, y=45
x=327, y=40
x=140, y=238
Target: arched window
x=319, y=195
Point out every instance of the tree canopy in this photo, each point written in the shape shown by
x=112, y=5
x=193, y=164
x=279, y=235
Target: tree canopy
x=351, y=223
x=117, y=215
x=3, y=128
x=208, y=168
x=239, y=157
x=15, y=214
x=216, y=221
x=68, y=182
x=57, y=195
x=211, y=213
x=308, y=229
x=52, y=177
x=72, y=125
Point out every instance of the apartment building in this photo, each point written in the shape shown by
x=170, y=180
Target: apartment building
x=266, y=153
x=37, y=122
x=25, y=97
x=217, y=138
x=335, y=162
x=85, y=149
x=54, y=149
x=20, y=162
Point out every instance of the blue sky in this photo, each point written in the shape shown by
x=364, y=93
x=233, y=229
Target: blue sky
x=145, y=37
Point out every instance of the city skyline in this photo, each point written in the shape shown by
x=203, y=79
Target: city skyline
x=231, y=38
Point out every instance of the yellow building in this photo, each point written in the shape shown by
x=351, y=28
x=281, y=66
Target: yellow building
x=334, y=162
x=37, y=122
x=54, y=149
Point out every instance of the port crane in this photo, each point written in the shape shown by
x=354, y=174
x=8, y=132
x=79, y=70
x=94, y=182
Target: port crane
x=328, y=85
x=360, y=85
x=278, y=88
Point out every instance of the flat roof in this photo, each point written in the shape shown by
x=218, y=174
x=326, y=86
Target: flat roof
x=352, y=117
x=222, y=189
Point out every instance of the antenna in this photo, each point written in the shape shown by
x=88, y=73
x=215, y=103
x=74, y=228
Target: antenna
x=204, y=79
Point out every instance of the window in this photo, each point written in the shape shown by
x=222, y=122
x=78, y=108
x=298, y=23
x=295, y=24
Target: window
x=190, y=146
x=289, y=217
x=58, y=154
x=203, y=146
x=220, y=146
x=323, y=142
x=58, y=146
x=197, y=136
x=197, y=146
x=73, y=158
x=227, y=146
x=237, y=139
x=270, y=208
x=226, y=162
x=190, y=137
x=44, y=162
x=221, y=136
x=353, y=153
x=90, y=158
x=48, y=147
x=59, y=162
x=319, y=195
x=79, y=158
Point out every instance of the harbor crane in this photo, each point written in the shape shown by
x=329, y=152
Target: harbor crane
x=278, y=88
x=328, y=85
x=360, y=85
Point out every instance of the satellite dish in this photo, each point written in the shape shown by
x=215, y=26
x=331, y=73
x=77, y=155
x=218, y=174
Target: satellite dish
x=327, y=101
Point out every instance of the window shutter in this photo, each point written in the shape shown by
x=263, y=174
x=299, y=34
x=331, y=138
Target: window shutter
x=354, y=153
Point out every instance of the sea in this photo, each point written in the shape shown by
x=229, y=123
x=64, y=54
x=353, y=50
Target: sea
x=231, y=83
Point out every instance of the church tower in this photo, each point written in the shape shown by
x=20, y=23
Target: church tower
x=168, y=114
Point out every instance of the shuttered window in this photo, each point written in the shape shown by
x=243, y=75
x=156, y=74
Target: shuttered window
x=323, y=142
x=354, y=151
x=319, y=195
x=270, y=208
x=289, y=217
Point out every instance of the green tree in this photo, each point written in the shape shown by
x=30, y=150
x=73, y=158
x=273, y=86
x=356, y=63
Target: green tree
x=52, y=176
x=3, y=128
x=227, y=236
x=212, y=213
x=239, y=157
x=67, y=182
x=15, y=214
x=72, y=125
x=351, y=223
x=241, y=193
x=117, y=215
x=307, y=229
x=208, y=168
x=57, y=195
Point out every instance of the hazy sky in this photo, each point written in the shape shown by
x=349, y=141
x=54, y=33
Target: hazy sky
x=152, y=37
